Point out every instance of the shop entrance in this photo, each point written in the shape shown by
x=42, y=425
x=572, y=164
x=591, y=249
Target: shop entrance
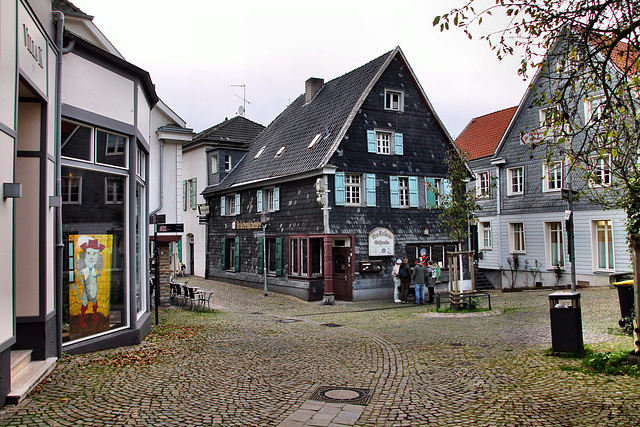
x=342, y=273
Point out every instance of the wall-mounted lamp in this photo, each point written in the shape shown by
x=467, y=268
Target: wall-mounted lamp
x=11, y=190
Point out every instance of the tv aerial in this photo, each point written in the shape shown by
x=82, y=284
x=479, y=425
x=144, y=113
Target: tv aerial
x=243, y=108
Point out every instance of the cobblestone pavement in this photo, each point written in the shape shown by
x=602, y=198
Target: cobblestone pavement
x=257, y=361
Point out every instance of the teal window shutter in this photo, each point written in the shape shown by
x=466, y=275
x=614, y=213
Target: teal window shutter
x=431, y=196
x=223, y=254
x=279, y=256
x=398, y=144
x=370, y=185
x=259, y=200
x=276, y=199
x=237, y=212
x=372, y=144
x=413, y=191
x=339, y=181
x=184, y=194
x=394, y=189
x=260, y=255
x=236, y=261
x=223, y=205
x=194, y=193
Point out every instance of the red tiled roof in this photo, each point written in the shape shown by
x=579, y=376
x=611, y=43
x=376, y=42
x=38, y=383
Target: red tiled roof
x=483, y=134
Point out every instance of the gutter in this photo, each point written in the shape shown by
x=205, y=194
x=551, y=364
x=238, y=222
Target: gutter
x=161, y=180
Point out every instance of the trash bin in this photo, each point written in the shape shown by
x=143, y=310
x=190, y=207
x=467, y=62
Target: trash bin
x=566, y=322
x=625, y=297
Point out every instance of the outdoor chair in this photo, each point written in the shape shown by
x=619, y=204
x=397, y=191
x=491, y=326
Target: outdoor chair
x=204, y=298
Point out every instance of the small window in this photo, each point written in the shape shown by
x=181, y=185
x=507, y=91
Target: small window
x=515, y=183
x=114, y=190
x=280, y=151
x=482, y=184
x=393, y=100
x=593, y=108
x=383, y=142
x=516, y=238
x=601, y=175
x=214, y=164
x=353, y=189
x=314, y=141
x=484, y=232
x=227, y=162
x=552, y=177
x=260, y=151
x=141, y=163
x=403, y=187
x=71, y=190
x=603, y=248
x=554, y=242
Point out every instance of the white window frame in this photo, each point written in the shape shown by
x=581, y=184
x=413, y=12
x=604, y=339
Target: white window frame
x=554, y=234
x=552, y=176
x=403, y=192
x=517, y=238
x=384, y=142
x=66, y=182
x=268, y=198
x=393, y=105
x=602, y=170
x=484, y=236
x=119, y=149
x=214, y=164
x=353, y=189
x=603, y=228
x=515, y=179
x=227, y=162
x=111, y=197
x=593, y=108
x=483, y=189
x=141, y=157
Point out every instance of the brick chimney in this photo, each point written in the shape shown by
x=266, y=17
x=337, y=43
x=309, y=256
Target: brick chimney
x=311, y=87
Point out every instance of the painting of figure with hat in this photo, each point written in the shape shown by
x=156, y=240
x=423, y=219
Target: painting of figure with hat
x=92, y=283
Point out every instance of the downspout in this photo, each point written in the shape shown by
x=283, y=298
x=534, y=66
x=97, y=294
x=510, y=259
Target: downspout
x=58, y=175
x=161, y=180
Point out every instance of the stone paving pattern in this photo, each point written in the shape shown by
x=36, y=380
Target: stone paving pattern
x=255, y=361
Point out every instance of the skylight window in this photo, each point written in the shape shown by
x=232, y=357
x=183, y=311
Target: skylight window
x=260, y=152
x=280, y=151
x=314, y=141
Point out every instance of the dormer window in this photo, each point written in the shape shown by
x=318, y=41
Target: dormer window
x=393, y=100
x=260, y=152
x=280, y=151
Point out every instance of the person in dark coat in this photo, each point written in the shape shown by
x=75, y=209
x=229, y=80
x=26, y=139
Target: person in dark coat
x=405, y=280
x=418, y=277
x=430, y=280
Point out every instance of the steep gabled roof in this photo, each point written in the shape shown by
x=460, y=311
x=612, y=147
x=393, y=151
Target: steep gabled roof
x=483, y=134
x=236, y=131
x=283, y=148
x=69, y=9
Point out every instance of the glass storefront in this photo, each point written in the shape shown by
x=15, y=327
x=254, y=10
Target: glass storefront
x=94, y=226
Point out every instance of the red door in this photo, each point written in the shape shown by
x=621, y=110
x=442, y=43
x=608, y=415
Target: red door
x=341, y=274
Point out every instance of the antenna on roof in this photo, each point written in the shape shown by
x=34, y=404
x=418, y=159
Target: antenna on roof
x=243, y=108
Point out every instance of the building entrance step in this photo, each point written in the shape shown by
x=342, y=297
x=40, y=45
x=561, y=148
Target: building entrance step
x=27, y=374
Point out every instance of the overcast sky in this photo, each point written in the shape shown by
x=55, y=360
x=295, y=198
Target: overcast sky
x=196, y=50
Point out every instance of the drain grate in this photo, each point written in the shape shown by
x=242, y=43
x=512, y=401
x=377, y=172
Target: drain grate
x=331, y=325
x=354, y=396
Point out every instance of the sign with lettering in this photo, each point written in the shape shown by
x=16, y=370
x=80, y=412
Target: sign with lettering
x=32, y=49
x=381, y=242
x=170, y=228
x=246, y=225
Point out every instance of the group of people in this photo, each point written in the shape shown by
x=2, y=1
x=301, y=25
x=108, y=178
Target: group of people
x=423, y=275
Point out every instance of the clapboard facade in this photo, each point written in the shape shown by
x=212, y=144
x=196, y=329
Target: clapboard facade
x=338, y=182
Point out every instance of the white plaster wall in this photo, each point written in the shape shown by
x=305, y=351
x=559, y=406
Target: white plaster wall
x=8, y=42
x=6, y=235
x=194, y=164
x=51, y=241
x=143, y=114
x=96, y=89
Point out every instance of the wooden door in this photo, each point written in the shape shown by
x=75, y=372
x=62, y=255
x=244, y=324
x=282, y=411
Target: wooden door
x=341, y=274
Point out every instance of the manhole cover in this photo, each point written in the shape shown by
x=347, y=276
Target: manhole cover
x=354, y=396
x=331, y=325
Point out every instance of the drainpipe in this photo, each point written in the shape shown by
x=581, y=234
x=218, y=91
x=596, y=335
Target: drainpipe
x=58, y=175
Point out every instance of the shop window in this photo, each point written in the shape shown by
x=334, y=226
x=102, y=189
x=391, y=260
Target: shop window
x=554, y=244
x=77, y=141
x=305, y=256
x=602, y=245
x=95, y=286
x=111, y=148
x=437, y=252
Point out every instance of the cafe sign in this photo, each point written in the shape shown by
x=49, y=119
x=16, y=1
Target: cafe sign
x=32, y=50
x=246, y=225
x=381, y=242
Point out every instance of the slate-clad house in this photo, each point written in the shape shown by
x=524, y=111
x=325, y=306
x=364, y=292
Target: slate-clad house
x=524, y=215
x=206, y=159
x=339, y=182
